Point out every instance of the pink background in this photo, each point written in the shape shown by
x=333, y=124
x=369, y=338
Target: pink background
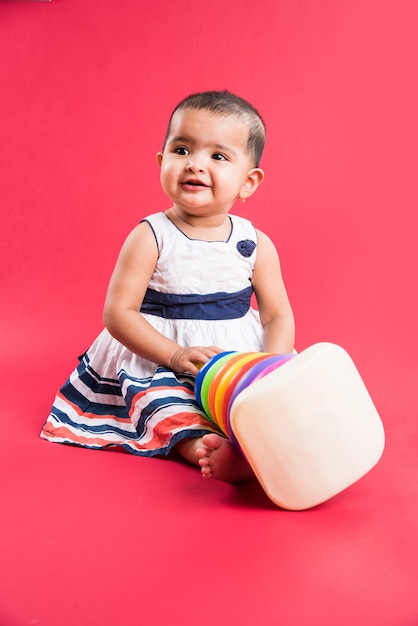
x=86, y=91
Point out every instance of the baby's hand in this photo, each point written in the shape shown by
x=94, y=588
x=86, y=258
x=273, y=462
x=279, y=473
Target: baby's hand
x=191, y=359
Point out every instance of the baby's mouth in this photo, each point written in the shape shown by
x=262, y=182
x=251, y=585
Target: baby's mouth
x=193, y=183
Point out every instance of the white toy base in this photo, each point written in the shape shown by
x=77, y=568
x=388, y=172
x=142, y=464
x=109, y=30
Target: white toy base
x=309, y=429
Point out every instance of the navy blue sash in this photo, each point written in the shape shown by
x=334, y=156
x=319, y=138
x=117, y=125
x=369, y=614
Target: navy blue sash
x=212, y=306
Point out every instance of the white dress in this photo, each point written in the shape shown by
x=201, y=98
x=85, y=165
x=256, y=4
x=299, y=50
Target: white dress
x=199, y=294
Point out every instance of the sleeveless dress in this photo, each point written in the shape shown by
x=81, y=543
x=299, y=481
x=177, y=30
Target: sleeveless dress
x=199, y=294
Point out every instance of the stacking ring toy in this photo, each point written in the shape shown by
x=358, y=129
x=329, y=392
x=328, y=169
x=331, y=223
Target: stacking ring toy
x=305, y=423
x=221, y=381
x=204, y=379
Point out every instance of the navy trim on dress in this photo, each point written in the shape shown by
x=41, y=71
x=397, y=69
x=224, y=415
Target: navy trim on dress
x=212, y=306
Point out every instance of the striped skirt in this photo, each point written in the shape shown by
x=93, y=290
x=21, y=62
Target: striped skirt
x=105, y=403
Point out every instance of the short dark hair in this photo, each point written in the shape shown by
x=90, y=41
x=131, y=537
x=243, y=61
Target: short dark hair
x=226, y=103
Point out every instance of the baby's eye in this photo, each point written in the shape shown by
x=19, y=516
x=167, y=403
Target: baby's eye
x=181, y=151
x=219, y=157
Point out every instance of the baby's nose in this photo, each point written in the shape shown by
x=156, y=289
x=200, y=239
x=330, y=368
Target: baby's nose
x=195, y=165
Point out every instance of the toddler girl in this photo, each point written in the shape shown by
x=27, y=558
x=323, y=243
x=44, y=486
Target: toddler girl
x=179, y=294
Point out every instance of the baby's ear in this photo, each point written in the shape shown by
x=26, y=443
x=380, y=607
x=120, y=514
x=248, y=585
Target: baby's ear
x=159, y=158
x=254, y=179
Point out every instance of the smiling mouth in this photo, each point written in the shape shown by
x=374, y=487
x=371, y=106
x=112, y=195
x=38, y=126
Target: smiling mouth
x=193, y=183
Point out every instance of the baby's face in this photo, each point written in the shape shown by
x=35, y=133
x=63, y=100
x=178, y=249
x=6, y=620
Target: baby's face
x=205, y=166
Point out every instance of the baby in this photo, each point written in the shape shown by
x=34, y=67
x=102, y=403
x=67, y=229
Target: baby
x=181, y=293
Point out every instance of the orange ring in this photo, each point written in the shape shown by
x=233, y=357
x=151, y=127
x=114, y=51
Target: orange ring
x=234, y=379
x=223, y=380
x=225, y=363
x=218, y=361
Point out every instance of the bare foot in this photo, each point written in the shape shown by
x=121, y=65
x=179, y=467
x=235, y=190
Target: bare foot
x=219, y=458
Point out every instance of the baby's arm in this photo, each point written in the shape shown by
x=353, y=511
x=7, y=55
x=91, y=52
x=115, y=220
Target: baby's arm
x=275, y=311
x=127, y=287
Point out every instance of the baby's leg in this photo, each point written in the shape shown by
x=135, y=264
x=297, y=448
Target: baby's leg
x=217, y=457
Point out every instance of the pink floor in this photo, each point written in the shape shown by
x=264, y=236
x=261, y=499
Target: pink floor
x=86, y=88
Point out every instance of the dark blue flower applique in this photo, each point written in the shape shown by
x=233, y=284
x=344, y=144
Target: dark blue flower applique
x=246, y=247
